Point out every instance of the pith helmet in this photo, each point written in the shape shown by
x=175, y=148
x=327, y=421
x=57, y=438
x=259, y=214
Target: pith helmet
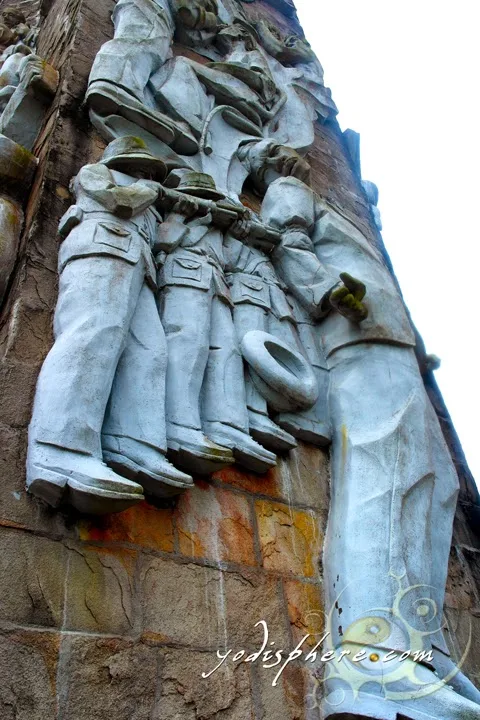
x=131, y=153
x=199, y=185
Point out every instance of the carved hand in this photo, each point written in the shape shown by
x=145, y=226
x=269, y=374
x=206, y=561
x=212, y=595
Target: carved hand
x=289, y=163
x=186, y=207
x=241, y=229
x=347, y=299
x=197, y=15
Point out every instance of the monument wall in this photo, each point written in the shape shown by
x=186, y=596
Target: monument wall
x=119, y=615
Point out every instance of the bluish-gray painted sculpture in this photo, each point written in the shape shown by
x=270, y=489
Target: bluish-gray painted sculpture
x=206, y=406
x=230, y=335
x=394, y=486
x=109, y=357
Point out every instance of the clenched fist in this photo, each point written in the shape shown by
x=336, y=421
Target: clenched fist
x=347, y=299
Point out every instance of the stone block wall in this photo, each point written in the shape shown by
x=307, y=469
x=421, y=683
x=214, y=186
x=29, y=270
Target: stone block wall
x=118, y=617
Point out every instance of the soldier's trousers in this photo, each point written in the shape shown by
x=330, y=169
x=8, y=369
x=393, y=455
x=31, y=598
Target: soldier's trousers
x=205, y=368
x=394, y=491
x=106, y=369
x=141, y=44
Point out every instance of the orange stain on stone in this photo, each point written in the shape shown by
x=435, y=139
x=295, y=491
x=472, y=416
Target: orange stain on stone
x=142, y=525
x=267, y=484
x=291, y=540
x=305, y=610
x=215, y=523
x=46, y=644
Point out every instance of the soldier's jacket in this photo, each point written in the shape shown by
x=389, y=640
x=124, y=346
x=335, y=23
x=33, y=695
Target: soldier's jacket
x=198, y=261
x=100, y=232
x=252, y=279
x=318, y=244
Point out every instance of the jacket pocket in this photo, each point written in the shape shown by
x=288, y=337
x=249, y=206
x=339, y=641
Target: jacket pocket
x=113, y=235
x=187, y=268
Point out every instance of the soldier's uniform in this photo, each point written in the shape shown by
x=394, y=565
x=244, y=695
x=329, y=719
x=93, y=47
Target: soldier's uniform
x=101, y=390
x=394, y=486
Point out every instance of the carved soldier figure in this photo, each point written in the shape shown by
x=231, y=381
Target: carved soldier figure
x=121, y=76
x=259, y=303
x=206, y=407
x=101, y=391
x=394, y=486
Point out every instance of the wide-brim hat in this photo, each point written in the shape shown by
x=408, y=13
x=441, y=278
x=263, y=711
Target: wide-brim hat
x=199, y=185
x=132, y=153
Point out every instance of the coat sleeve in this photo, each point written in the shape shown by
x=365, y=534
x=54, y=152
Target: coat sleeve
x=125, y=201
x=303, y=273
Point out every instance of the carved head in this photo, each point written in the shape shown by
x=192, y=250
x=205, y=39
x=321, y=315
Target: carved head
x=239, y=32
x=288, y=49
x=269, y=161
x=131, y=155
x=371, y=191
x=297, y=50
x=11, y=17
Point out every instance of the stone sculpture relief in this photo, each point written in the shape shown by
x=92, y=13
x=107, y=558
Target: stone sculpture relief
x=27, y=87
x=188, y=325
x=394, y=486
x=109, y=354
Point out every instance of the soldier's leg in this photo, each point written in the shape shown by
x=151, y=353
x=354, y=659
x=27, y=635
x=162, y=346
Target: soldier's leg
x=250, y=317
x=253, y=317
x=224, y=397
x=136, y=408
x=143, y=34
x=224, y=407
x=312, y=425
x=91, y=323
x=390, y=498
x=134, y=435
x=381, y=533
x=186, y=318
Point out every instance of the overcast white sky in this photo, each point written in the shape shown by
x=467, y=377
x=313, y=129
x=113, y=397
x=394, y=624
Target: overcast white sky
x=406, y=76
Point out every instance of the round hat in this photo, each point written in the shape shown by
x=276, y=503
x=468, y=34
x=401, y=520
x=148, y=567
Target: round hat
x=129, y=152
x=199, y=185
x=279, y=372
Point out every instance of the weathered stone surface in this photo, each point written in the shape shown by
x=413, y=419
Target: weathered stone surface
x=334, y=179
x=460, y=592
x=143, y=525
x=462, y=532
x=76, y=588
x=300, y=478
x=215, y=524
x=17, y=381
x=303, y=477
x=293, y=698
x=268, y=485
x=462, y=631
x=32, y=577
x=251, y=597
x=305, y=610
x=107, y=678
x=182, y=603
x=28, y=666
x=226, y=694
x=291, y=540
x=99, y=590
